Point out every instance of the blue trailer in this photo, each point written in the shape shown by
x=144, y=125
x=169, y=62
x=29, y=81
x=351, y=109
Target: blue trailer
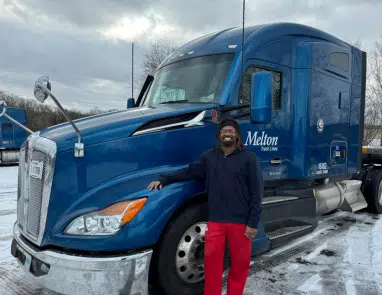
x=12, y=136
x=86, y=222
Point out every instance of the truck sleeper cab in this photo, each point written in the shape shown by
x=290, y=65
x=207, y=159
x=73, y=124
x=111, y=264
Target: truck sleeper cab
x=88, y=223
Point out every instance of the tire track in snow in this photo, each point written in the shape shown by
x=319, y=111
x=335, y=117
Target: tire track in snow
x=8, y=212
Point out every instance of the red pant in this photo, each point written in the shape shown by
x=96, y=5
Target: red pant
x=240, y=253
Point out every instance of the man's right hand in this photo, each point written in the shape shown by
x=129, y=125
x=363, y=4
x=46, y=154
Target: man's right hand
x=154, y=185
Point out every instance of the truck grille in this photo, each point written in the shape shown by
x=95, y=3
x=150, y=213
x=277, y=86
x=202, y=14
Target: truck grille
x=20, y=192
x=36, y=187
x=34, y=193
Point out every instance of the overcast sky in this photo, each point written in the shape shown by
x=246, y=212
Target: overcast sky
x=85, y=45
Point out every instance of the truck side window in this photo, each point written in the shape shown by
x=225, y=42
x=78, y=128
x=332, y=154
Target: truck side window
x=339, y=60
x=7, y=126
x=245, y=89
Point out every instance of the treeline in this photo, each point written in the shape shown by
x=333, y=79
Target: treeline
x=40, y=116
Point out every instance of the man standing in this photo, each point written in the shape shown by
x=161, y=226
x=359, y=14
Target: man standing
x=235, y=189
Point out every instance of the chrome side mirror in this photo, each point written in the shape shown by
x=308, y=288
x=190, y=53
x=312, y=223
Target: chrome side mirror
x=41, y=84
x=42, y=89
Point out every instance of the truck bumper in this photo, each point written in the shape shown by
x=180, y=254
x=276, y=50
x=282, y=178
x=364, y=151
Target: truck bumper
x=69, y=274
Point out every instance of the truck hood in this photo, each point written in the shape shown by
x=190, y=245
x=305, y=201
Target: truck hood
x=114, y=125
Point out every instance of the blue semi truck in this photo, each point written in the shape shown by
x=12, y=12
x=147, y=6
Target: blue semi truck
x=13, y=133
x=86, y=222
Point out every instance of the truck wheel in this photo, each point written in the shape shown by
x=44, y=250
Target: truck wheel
x=373, y=191
x=178, y=264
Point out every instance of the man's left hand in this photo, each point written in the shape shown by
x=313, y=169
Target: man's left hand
x=250, y=232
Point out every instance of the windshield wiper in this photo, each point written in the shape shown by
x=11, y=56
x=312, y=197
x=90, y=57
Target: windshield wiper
x=174, y=101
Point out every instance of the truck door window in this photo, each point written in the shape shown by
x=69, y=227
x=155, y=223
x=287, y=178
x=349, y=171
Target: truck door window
x=245, y=89
x=7, y=126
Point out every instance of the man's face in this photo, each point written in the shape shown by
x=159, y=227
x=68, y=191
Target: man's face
x=228, y=136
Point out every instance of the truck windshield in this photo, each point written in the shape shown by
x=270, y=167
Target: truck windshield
x=196, y=80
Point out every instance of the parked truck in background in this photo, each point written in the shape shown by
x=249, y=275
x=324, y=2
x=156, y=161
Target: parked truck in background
x=12, y=136
x=86, y=222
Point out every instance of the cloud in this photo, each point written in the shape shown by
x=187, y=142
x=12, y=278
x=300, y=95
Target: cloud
x=139, y=18
x=85, y=46
x=84, y=13
x=84, y=66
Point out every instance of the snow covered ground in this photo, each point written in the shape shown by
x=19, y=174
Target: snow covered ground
x=342, y=256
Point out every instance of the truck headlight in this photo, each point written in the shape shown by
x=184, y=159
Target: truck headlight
x=107, y=221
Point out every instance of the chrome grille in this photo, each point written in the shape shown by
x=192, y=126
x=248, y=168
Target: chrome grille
x=20, y=189
x=36, y=187
x=34, y=193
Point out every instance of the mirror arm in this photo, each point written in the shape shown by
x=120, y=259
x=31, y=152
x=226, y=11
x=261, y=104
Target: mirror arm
x=78, y=147
x=63, y=111
x=4, y=105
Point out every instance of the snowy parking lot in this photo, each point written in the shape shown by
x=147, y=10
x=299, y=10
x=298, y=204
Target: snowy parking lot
x=342, y=256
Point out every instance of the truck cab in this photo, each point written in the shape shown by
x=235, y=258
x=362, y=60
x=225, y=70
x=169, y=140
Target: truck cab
x=84, y=210
x=12, y=136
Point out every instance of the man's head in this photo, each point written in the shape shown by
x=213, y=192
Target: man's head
x=229, y=133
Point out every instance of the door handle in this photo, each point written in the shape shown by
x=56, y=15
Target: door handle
x=276, y=161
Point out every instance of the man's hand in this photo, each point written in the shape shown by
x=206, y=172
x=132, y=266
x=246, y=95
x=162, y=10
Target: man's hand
x=250, y=232
x=154, y=185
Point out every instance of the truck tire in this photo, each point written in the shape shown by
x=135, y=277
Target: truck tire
x=178, y=261
x=372, y=190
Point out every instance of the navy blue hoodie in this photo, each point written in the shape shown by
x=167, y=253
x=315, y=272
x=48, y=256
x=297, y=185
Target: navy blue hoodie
x=234, y=185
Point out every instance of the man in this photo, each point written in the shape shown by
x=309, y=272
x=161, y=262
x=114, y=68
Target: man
x=235, y=190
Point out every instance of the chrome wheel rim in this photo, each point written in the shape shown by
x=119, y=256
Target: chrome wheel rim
x=190, y=254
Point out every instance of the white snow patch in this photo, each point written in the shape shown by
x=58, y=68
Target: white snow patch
x=316, y=252
x=8, y=205
x=350, y=287
x=312, y=284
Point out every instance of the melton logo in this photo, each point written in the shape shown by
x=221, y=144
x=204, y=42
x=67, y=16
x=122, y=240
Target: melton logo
x=266, y=142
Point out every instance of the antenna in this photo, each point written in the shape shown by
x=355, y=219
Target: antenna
x=242, y=46
x=132, y=70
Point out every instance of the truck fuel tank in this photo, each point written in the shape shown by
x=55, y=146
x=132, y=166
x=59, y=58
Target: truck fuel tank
x=329, y=197
x=345, y=195
x=9, y=156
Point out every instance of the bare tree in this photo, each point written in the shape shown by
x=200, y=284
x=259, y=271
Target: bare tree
x=356, y=43
x=373, y=104
x=40, y=116
x=158, y=50
x=373, y=109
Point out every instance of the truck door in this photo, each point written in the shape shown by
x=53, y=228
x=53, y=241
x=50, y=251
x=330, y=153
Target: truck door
x=330, y=110
x=268, y=141
x=7, y=132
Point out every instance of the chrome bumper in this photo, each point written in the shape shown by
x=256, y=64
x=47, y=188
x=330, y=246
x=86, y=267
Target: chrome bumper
x=69, y=274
